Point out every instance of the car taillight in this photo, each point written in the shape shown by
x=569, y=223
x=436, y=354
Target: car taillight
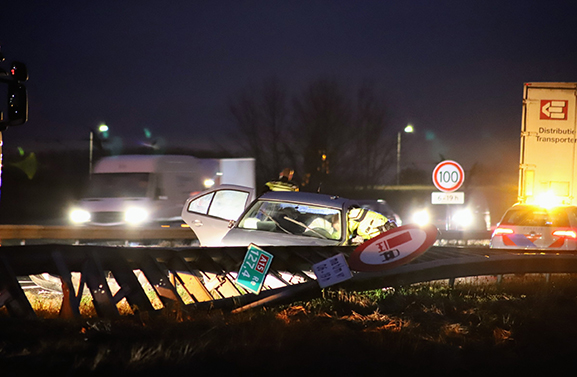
x=501, y=231
x=567, y=233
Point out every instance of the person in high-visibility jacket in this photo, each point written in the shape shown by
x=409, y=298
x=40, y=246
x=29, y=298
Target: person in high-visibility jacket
x=283, y=183
x=364, y=224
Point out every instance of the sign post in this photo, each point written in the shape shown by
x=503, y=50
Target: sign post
x=448, y=176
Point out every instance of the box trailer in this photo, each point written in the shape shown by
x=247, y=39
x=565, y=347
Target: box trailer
x=547, y=166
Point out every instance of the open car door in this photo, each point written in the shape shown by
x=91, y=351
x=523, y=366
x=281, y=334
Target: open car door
x=210, y=213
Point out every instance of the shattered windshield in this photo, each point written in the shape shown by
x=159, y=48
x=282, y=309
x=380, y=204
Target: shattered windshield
x=118, y=185
x=293, y=218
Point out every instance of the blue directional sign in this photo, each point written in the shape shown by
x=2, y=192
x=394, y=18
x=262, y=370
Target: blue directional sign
x=254, y=268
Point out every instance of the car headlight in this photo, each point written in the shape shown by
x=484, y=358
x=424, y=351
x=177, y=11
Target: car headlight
x=463, y=218
x=421, y=217
x=135, y=215
x=79, y=216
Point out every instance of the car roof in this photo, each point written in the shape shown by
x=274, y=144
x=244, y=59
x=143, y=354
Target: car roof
x=309, y=198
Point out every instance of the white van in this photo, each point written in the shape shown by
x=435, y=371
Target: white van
x=148, y=189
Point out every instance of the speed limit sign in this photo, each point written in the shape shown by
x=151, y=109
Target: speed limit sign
x=448, y=176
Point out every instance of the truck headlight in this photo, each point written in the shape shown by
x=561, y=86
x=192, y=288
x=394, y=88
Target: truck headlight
x=463, y=218
x=421, y=217
x=208, y=183
x=79, y=216
x=135, y=215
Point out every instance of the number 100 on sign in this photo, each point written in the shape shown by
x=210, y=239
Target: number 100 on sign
x=448, y=176
x=254, y=268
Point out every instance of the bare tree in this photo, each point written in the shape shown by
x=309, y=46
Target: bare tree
x=275, y=122
x=260, y=116
x=329, y=137
x=373, y=150
x=322, y=123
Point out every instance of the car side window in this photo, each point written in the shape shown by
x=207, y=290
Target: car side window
x=228, y=204
x=201, y=204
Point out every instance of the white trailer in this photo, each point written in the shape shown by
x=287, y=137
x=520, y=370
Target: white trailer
x=237, y=171
x=151, y=189
x=547, y=168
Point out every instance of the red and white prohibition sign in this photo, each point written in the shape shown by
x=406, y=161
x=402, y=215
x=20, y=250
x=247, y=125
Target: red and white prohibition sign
x=448, y=176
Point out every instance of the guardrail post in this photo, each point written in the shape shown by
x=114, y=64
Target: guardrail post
x=70, y=306
x=189, y=279
x=130, y=287
x=224, y=285
x=11, y=294
x=159, y=281
x=95, y=279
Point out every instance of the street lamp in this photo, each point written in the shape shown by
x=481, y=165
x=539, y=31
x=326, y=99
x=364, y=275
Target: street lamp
x=408, y=129
x=103, y=129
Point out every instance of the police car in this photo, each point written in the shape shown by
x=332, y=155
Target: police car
x=228, y=216
x=536, y=227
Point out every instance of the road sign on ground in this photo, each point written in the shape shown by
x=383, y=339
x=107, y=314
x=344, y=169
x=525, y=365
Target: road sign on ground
x=393, y=248
x=254, y=268
x=332, y=271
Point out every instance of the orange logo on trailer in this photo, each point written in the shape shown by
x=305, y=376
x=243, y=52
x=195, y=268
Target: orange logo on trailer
x=553, y=109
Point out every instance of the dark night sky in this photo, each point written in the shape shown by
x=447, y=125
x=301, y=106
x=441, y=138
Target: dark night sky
x=454, y=69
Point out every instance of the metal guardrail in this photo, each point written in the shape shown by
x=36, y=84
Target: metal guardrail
x=201, y=278
x=464, y=238
x=21, y=233
x=450, y=263
x=190, y=278
x=38, y=232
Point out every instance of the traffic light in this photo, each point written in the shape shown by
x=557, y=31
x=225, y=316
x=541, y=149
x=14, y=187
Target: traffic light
x=17, y=95
x=19, y=71
x=17, y=104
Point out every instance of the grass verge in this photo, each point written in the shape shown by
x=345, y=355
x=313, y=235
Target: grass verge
x=524, y=325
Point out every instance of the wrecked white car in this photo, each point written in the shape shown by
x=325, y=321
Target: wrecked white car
x=228, y=216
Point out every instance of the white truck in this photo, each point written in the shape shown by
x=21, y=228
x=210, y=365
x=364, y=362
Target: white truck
x=151, y=189
x=547, y=167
